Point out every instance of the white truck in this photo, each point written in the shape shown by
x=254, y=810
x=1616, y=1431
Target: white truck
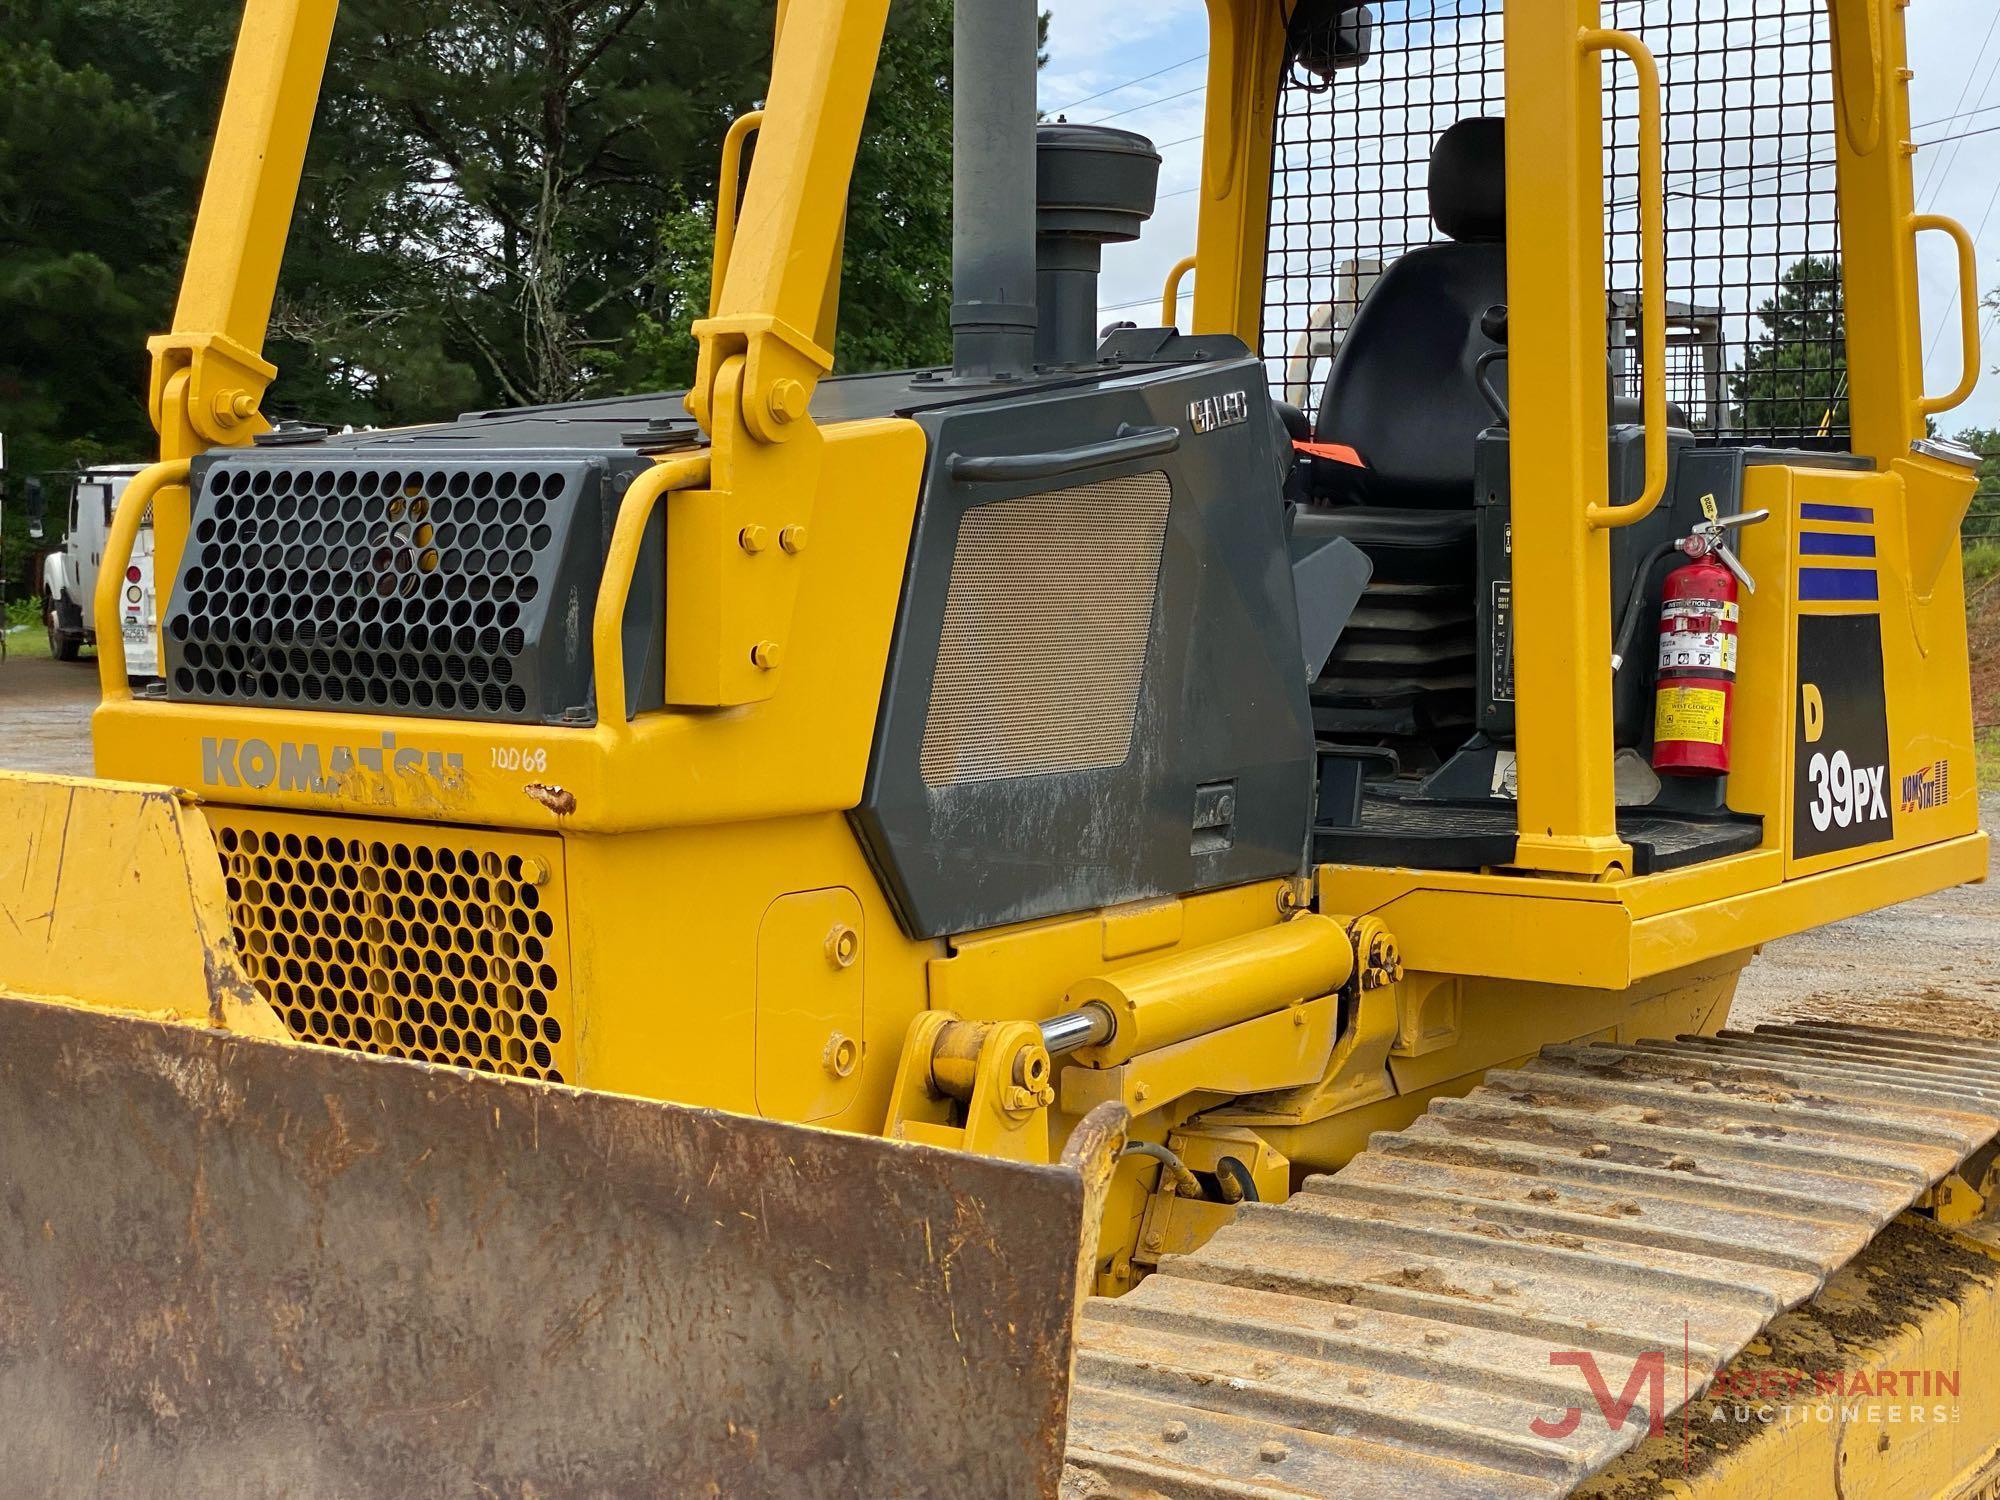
x=69, y=575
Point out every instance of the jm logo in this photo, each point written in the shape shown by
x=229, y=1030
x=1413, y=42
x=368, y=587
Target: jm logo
x=1648, y=1378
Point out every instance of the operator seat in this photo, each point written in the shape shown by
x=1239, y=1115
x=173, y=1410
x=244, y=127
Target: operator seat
x=1402, y=395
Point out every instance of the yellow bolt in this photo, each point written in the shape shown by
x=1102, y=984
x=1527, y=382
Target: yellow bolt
x=843, y=946
x=787, y=401
x=751, y=538
x=233, y=406
x=841, y=1055
x=792, y=539
x=765, y=654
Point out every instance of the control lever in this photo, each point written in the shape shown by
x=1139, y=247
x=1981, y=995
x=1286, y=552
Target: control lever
x=1492, y=323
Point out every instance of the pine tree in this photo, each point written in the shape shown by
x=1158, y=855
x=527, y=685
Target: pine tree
x=1794, y=377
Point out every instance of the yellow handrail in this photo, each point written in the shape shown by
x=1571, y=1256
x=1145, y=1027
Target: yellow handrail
x=1653, y=275
x=117, y=557
x=727, y=187
x=1968, y=310
x=1170, y=298
x=607, y=641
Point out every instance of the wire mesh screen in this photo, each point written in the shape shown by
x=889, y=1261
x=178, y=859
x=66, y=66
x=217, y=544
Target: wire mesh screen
x=1756, y=336
x=1352, y=162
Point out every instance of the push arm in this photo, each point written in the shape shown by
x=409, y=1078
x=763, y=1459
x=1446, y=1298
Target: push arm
x=209, y=374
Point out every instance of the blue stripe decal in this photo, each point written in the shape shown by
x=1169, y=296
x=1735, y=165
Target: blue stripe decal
x=1838, y=585
x=1861, y=515
x=1836, y=544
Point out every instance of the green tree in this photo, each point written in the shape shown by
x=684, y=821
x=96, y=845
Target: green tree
x=1982, y=521
x=478, y=222
x=1793, y=381
x=105, y=112
x=895, y=295
x=505, y=202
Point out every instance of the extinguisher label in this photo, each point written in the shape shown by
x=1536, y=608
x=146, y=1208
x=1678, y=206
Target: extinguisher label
x=1701, y=649
x=1840, y=770
x=1695, y=715
x=1700, y=609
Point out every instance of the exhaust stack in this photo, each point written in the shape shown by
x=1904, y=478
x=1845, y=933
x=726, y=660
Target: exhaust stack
x=993, y=189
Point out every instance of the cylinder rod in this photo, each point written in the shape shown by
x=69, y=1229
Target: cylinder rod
x=1077, y=1028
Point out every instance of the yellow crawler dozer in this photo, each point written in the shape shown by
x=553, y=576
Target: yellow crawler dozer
x=1152, y=913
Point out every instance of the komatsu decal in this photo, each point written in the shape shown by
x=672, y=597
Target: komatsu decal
x=294, y=767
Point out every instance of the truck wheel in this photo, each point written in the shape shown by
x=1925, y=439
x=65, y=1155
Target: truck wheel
x=62, y=645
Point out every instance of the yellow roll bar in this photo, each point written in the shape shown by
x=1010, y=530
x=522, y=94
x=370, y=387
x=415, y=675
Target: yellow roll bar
x=1653, y=274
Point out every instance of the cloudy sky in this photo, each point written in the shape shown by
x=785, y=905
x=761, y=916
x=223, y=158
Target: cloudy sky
x=1100, y=50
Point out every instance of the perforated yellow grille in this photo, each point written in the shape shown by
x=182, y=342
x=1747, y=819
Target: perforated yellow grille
x=443, y=946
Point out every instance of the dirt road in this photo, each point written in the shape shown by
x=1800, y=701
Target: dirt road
x=1933, y=964
x=45, y=714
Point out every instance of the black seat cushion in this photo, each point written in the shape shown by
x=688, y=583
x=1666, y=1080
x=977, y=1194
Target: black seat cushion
x=1406, y=546
x=1402, y=392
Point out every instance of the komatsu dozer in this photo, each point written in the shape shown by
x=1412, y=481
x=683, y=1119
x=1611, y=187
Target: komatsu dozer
x=1149, y=914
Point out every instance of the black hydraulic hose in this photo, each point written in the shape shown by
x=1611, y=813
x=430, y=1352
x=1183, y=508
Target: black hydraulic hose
x=1186, y=1184
x=1635, y=606
x=1238, y=1186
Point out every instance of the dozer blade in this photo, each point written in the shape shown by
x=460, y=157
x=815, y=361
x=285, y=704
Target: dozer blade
x=232, y=1268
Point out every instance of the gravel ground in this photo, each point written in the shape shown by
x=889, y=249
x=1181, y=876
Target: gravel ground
x=1933, y=963
x=45, y=714
x=1930, y=964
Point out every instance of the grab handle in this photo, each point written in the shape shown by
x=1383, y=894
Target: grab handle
x=118, y=544
x=607, y=623
x=1968, y=310
x=1131, y=442
x=727, y=186
x=1653, y=275
x=1170, y=297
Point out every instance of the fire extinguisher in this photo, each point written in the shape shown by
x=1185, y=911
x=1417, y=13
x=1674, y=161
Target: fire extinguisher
x=1700, y=611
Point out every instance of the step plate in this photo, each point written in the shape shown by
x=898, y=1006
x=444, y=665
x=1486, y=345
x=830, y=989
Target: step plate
x=1398, y=1328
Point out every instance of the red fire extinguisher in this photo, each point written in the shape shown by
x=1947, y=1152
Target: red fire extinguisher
x=1700, y=610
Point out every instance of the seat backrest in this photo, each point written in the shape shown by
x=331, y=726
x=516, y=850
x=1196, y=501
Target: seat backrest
x=1402, y=392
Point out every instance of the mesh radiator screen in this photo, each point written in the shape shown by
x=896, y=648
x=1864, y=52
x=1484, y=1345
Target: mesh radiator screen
x=1046, y=622
x=445, y=946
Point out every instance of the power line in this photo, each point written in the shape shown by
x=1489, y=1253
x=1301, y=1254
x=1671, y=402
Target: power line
x=1321, y=270
x=1786, y=31
x=1150, y=103
x=1951, y=304
x=1116, y=88
x=1931, y=169
x=1711, y=174
x=1119, y=88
